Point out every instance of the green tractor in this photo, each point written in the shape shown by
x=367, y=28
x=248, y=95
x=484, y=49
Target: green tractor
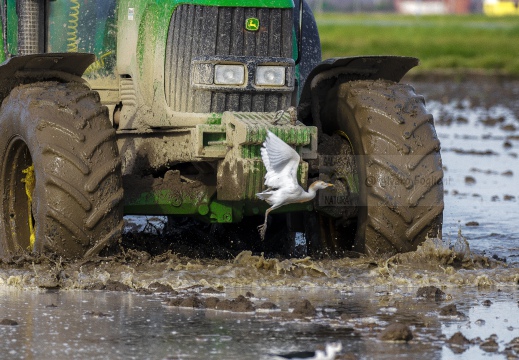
x=119, y=107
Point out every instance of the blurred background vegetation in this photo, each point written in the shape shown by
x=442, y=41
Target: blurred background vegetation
x=446, y=35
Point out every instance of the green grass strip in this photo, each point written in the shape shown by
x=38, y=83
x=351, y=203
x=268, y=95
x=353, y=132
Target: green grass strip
x=471, y=42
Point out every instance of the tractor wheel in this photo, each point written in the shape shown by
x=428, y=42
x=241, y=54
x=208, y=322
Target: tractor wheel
x=60, y=171
x=399, y=167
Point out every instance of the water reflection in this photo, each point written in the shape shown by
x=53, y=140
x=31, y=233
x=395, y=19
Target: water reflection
x=99, y=325
x=478, y=131
x=355, y=298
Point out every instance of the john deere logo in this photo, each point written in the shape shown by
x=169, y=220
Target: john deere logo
x=252, y=24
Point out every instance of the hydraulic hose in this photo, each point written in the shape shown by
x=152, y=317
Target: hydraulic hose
x=300, y=37
x=73, y=22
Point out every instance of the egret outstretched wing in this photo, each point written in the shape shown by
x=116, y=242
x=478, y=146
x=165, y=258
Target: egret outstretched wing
x=281, y=162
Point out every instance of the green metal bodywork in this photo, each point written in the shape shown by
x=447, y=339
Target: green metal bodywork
x=12, y=29
x=93, y=26
x=128, y=39
x=167, y=202
x=240, y=173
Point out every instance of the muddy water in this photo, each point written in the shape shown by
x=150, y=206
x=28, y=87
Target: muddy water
x=101, y=325
x=477, y=121
x=59, y=315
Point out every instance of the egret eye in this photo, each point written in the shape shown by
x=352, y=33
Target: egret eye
x=270, y=75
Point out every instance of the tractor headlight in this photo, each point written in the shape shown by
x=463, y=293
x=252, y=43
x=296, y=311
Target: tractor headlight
x=240, y=74
x=270, y=75
x=229, y=74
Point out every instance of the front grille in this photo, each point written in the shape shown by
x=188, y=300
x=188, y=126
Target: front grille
x=30, y=33
x=208, y=30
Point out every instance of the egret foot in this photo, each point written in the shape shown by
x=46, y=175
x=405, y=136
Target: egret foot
x=262, y=230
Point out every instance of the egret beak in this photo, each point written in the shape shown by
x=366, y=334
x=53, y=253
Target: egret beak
x=328, y=185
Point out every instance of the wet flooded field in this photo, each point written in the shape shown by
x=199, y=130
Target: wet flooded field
x=110, y=325
x=477, y=121
x=451, y=299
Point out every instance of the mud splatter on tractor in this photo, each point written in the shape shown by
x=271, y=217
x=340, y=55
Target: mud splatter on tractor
x=161, y=107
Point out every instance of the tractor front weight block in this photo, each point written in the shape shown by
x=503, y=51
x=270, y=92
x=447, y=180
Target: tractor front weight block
x=234, y=147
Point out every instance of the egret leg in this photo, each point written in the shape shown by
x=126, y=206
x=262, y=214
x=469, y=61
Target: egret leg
x=263, y=228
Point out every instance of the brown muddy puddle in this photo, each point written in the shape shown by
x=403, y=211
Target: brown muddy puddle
x=172, y=307
x=477, y=121
x=186, y=304
x=127, y=325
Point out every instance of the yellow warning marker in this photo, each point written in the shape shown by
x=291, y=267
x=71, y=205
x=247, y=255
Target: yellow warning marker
x=29, y=181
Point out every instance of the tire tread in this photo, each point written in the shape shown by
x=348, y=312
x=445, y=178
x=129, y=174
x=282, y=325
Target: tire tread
x=76, y=159
x=400, y=145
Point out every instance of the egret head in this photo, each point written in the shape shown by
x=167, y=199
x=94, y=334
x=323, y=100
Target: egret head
x=319, y=184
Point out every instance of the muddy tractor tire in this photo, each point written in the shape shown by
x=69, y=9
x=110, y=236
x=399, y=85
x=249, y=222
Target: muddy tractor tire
x=61, y=171
x=397, y=154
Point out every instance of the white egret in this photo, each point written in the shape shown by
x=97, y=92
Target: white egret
x=330, y=352
x=281, y=162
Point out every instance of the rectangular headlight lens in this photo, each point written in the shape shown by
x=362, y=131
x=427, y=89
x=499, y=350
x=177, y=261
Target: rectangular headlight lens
x=229, y=74
x=270, y=75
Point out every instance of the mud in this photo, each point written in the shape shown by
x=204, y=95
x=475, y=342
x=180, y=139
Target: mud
x=481, y=150
x=199, y=292
x=459, y=339
x=481, y=90
x=238, y=305
x=339, y=149
x=451, y=310
x=434, y=263
x=396, y=332
x=368, y=322
x=183, y=188
x=430, y=292
x=8, y=322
